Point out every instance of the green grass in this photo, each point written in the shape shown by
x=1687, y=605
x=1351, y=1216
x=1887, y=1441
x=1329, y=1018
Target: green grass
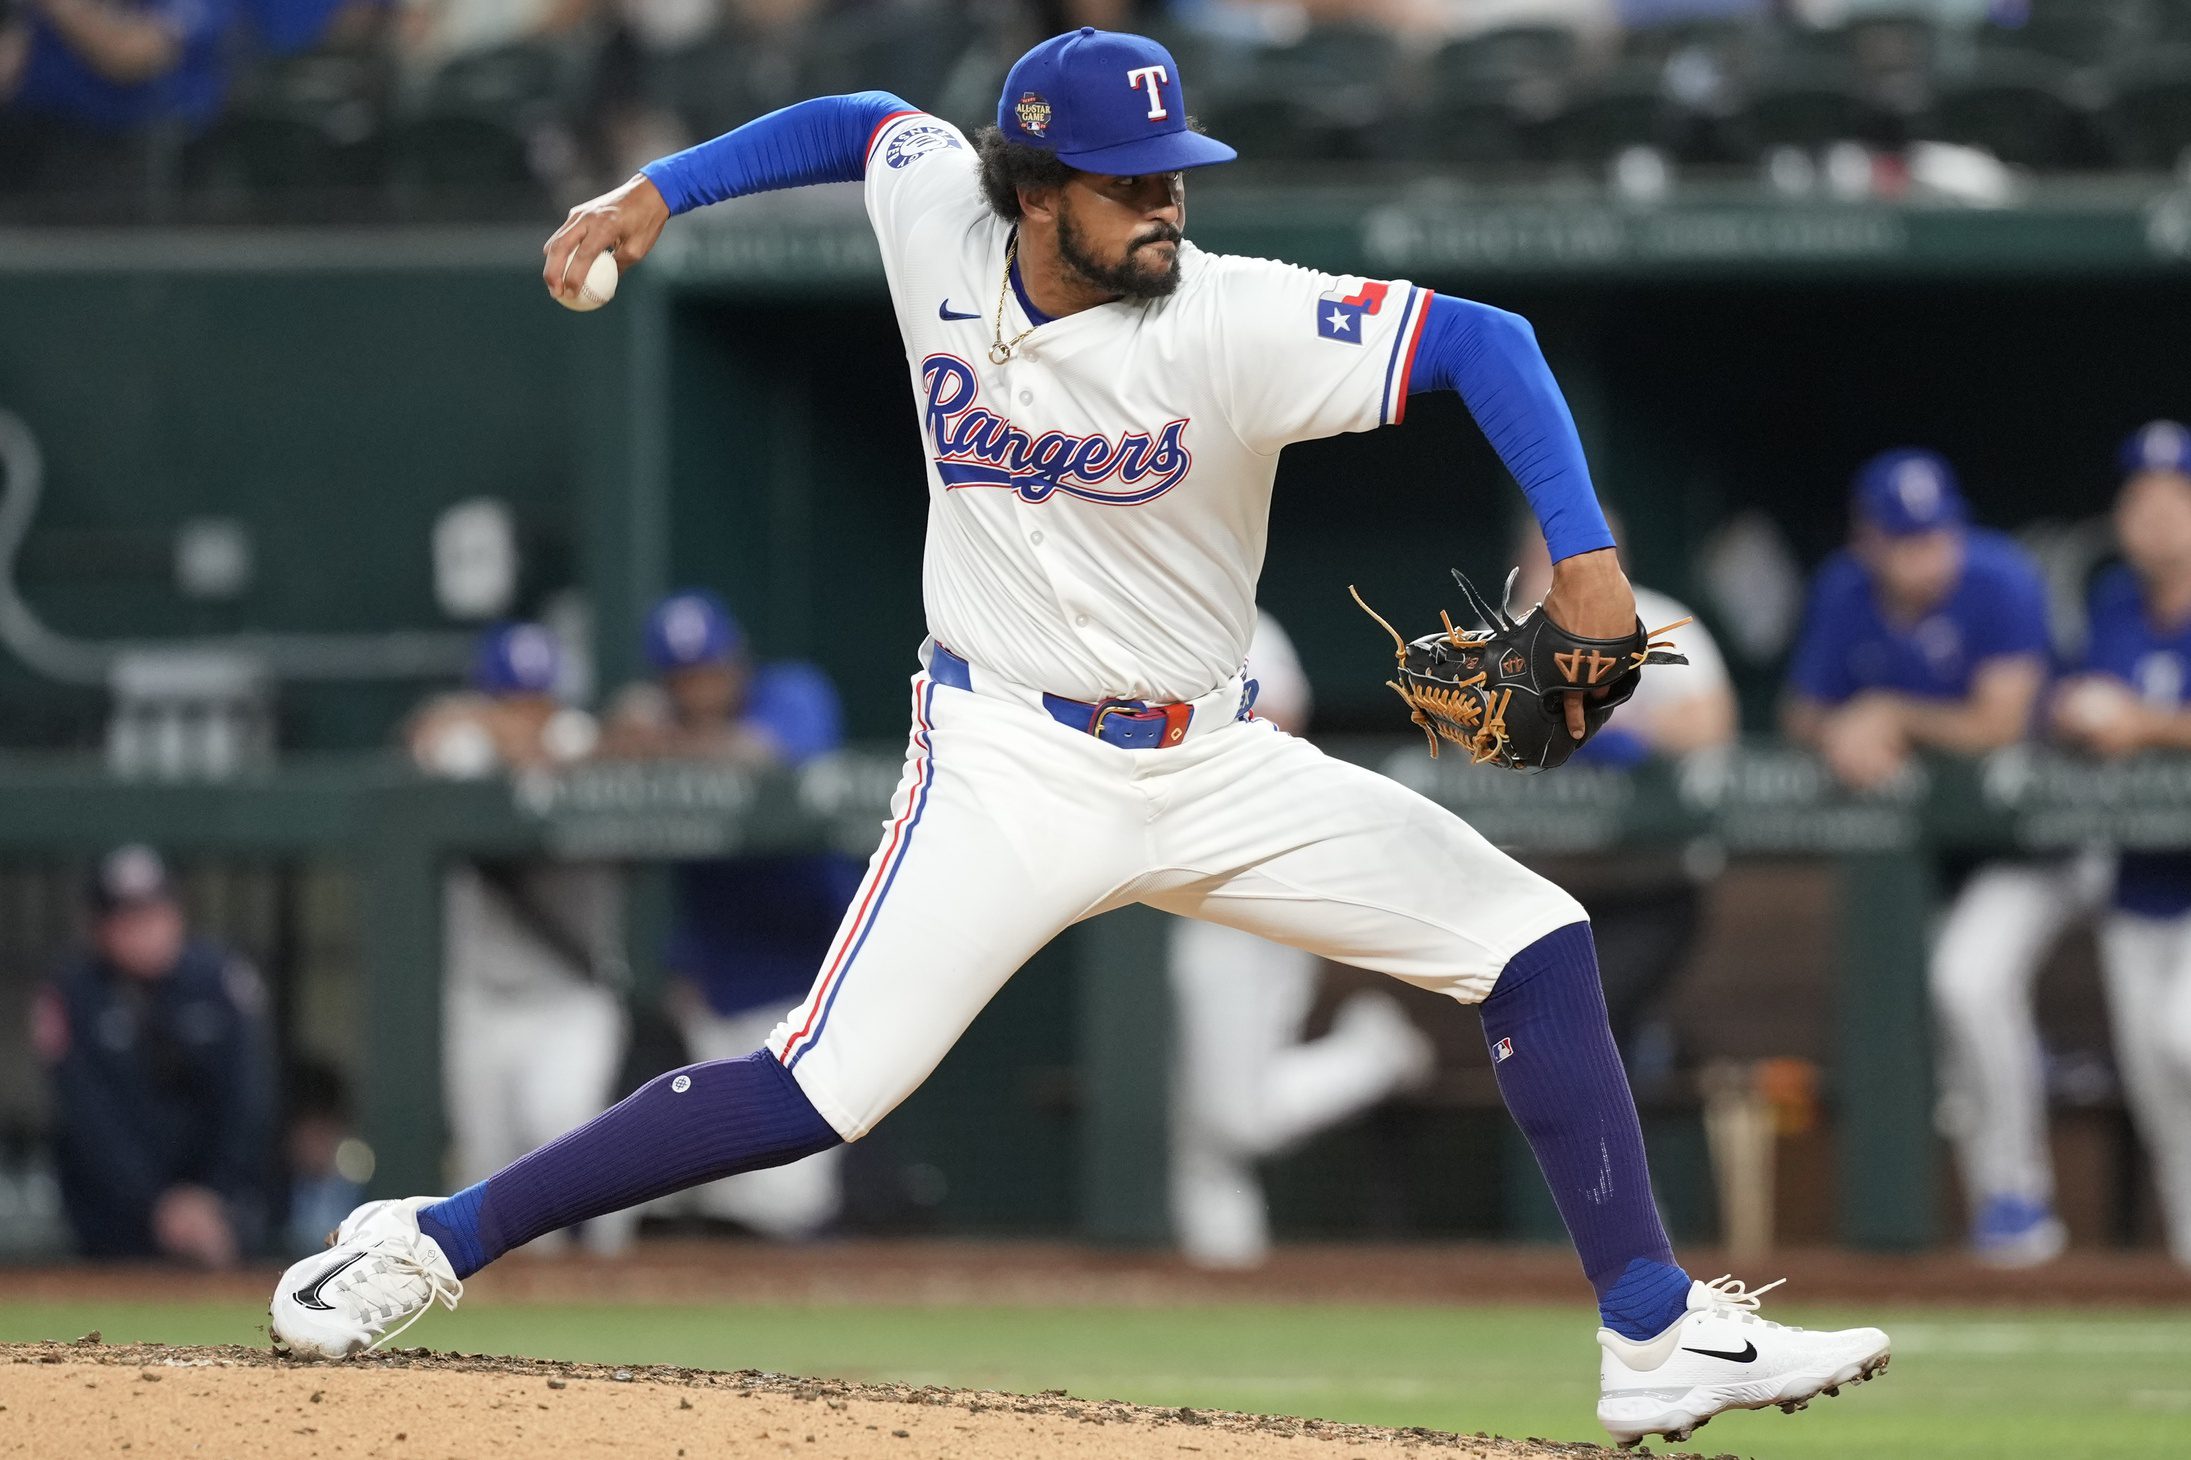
x=1990, y=1383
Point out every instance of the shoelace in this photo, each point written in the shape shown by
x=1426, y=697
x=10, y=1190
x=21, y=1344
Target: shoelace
x=1735, y=1300
x=388, y=1287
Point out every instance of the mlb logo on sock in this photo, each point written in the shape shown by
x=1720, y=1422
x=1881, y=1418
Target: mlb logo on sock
x=1502, y=1051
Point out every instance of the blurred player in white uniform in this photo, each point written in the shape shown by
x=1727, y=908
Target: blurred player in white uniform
x=534, y=1027
x=2134, y=695
x=1646, y=910
x=1101, y=407
x=1245, y=1085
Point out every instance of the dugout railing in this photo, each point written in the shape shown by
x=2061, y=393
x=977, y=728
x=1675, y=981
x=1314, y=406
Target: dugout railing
x=394, y=831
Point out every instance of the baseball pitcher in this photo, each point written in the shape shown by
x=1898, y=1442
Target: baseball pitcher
x=1101, y=407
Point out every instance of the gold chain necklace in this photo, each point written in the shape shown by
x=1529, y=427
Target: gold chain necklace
x=1002, y=350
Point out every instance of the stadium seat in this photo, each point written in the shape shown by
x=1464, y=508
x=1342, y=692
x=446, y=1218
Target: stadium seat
x=1628, y=109
x=507, y=81
x=2077, y=32
x=1480, y=93
x=2168, y=24
x=2148, y=125
x=908, y=49
x=1805, y=104
x=1280, y=125
x=301, y=140
x=722, y=82
x=462, y=165
x=1342, y=54
x=1501, y=62
x=256, y=164
x=1466, y=132
x=1329, y=97
x=51, y=172
x=2019, y=108
x=1726, y=38
x=1894, y=57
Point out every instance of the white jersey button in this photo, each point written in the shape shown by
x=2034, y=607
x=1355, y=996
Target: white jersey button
x=1035, y=538
x=1026, y=397
x=1081, y=619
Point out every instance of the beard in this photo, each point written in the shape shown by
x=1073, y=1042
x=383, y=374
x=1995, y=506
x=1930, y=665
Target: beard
x=1129, y=278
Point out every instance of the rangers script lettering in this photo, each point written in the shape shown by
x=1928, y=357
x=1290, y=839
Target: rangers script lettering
x=976, y=447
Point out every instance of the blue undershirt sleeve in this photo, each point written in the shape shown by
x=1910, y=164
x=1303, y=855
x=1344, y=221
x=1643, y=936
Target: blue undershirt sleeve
x=1490, y=357
x=1819, y=669
x=819, y=141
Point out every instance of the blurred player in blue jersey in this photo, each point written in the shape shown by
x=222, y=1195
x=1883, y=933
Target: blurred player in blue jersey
x=1928, y=633
x=750, y=930
x=2132, y=697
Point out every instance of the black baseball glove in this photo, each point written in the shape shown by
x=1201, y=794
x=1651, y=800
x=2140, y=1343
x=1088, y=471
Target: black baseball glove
x=1498, y=692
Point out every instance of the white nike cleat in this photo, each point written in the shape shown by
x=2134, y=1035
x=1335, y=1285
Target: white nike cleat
x=378, y=1270
x=1722, y=1356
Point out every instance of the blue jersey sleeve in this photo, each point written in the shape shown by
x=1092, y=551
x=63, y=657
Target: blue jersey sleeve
x=2115, y=626
x=287, y=27
x=1820, y=668
x=2008, y=618
x=798, y=707
x=819, y=141
x=1491, y=358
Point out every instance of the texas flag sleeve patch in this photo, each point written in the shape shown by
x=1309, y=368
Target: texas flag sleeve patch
x=1340, y=314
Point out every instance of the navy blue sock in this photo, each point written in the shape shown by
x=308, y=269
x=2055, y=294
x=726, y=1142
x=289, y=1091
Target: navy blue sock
x=680, y=1129
x=1563, y=1082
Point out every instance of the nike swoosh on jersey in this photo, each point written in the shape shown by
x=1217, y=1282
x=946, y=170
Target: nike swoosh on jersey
x=945, y=311
x=1742, y=1355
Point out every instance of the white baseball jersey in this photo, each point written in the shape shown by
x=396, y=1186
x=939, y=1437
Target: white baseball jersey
x=1098, y=531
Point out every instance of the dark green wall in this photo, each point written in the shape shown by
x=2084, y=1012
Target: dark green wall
x=337, y=414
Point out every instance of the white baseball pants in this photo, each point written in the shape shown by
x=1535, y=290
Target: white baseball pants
x=1985, y=959
x=1007, y=828
x=2147, y=965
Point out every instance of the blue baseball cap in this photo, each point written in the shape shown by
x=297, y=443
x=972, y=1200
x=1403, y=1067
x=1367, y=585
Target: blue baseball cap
x=692, y=627
x=1908, y=491
x=1106, y=102
x=516, y=659
x=2157, y=446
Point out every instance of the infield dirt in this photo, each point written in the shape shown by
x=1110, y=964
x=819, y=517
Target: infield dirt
x=60, y=1401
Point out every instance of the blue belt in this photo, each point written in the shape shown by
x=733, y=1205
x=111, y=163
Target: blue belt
x=1127, y=724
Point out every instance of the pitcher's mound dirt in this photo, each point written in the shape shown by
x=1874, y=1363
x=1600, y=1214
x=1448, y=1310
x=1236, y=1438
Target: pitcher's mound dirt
x=64, y=1400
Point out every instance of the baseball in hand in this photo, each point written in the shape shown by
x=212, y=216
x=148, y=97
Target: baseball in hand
x=599, y=288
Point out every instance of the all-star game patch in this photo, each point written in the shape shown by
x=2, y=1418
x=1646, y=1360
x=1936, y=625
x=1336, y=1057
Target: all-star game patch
x=913, y=143
x=1033, y=113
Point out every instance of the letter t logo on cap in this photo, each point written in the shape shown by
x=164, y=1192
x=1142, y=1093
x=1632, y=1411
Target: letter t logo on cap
x=1155, y=76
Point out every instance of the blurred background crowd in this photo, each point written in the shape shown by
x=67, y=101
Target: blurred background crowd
x=438, y=109
x=180, y=1123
